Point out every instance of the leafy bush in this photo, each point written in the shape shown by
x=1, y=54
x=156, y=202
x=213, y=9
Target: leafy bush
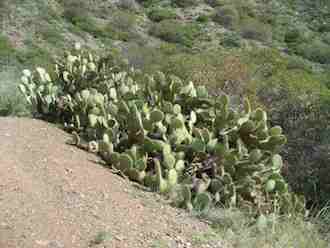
x=316, y=51
x=166, y=134
x=227, y=16
x=203, y=18
x=231, y=40
x=216, y=3
x=6, y=48
x=78, y=13
x=304, y=119
x=122, y=26
x=185, y=3
x=34, y=55
x=75, y=11
x=129, y=5
x=12, y=105
x=159, y=14
x=149, y=3
x=252, y=29
x=293, y=36
x=176, y=32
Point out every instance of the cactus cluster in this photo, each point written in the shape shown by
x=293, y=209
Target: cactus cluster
x=168, y=134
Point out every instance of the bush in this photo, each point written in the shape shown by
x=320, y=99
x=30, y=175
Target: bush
x=293, y=36
x=231, y=40
x=185, y=3
x=326, y=38
x=13, y=105
x=316, y=51
x=304, y=119
x=227, y=16
x=122, y=26
x=6, y=49
x=176, y=32
x=75, y=11
x=129, y=5
x=216, y=3
x=203, y=18
x=160, y=14
x=150, y=3
x=33, y=56
x=254, y=30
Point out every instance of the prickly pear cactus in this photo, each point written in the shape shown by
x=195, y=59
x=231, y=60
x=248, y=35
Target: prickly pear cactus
x=166, y=133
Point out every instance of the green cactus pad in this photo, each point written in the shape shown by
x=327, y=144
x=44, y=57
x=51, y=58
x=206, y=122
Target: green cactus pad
x=93, y=119
x=162, y=184
x=177, y=109
x=255, y=155
x=136, y=175
x=169, y=159
x=125, y=162
x=177, y=123
x=216, y=185
x=274, y=131
x=198, y=145
x=157, y=116
x=202, y=201
x=172, y=178
x=277, y=162
x=270, y=185
x=180, y=165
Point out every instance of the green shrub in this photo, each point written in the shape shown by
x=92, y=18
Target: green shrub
x=203, y=18
x=316, y=51
x=6, y=48
x=326, y=38
x=75, y=11
x=51, y=35
x=33, y=56
x=129, y=5
x=13, y=105
x=78, y=14
x=231, y=40
x=227, y=16
x=150, y=3
x=296, y=36
x=324, y=28
x=216, y=3
x=293, y=36
x=185, y=3
x=176, y=32
x=122, y=26
x=254, y=30
x=159, y=14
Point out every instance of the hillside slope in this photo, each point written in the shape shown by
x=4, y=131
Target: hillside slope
x=53, y=195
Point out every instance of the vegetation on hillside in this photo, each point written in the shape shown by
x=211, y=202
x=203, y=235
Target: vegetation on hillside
x=275, y=52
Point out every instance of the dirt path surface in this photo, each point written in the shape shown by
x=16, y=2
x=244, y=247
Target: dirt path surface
x=56, y=196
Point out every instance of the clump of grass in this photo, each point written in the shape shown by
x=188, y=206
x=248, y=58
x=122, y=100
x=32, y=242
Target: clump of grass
x=240, y=231
x=6, y=48
x=100, y=238
x=13, y=105
x=11, y=101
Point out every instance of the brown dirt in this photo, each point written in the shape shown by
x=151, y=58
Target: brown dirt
x=54, y=195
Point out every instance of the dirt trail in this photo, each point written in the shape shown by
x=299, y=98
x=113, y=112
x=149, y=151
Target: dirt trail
x=54, y=195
